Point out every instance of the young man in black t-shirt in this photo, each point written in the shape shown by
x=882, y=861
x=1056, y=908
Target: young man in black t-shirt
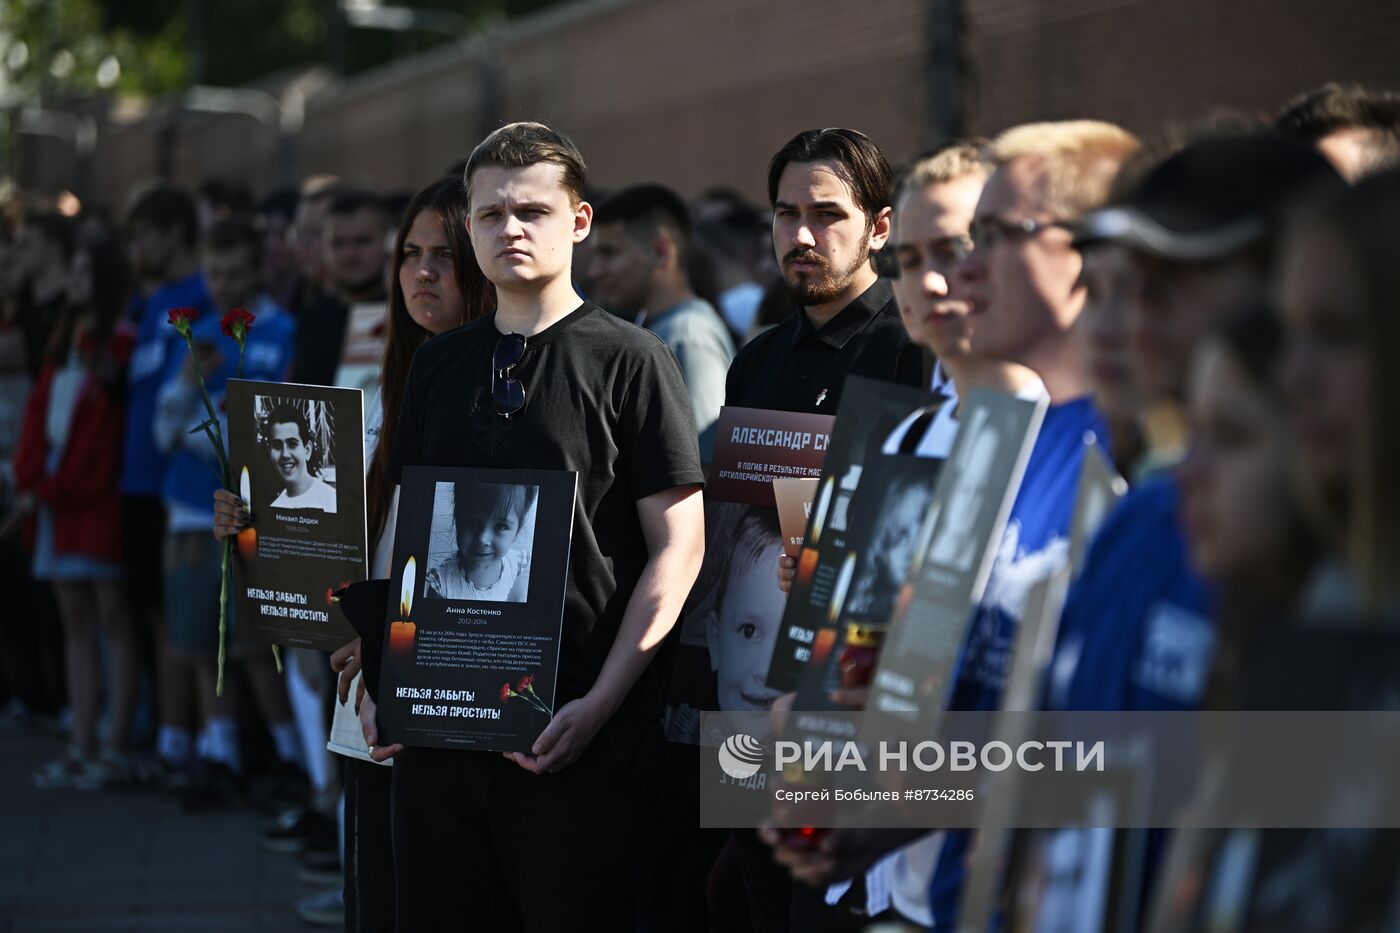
x=553, y=840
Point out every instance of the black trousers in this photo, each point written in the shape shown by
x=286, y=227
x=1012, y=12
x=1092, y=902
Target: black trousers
x=482, y=844
x=31, y=638
x=369, y=848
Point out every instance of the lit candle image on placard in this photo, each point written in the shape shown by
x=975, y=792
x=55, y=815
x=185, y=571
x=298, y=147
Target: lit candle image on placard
x=402, y=631
x=843, y=586
x=823, y=502
x=248, y=537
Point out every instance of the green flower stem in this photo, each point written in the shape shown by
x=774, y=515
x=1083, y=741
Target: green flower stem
x=277, y=656
x=535, y=702
x=536, y=698
x=209, y=408
x=223, y=614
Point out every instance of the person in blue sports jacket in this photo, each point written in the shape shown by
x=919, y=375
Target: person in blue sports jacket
x=192, y=558
x=162, y=235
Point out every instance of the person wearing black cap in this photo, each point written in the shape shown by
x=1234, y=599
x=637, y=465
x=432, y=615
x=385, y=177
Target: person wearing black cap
x=1200, y=228
x=1136, y=632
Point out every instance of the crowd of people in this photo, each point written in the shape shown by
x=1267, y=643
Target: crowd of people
x=1212, y=304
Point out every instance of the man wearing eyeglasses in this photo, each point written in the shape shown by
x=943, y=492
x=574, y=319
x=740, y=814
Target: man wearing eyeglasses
x=1021, y=283
x=553, y=382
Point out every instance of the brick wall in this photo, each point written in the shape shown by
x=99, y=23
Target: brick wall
x=697, y=94
x=1143, y=62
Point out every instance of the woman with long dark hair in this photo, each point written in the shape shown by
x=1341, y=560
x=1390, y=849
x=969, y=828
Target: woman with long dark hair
x=435, y=286
x=1339, y=290
x=1246, y=534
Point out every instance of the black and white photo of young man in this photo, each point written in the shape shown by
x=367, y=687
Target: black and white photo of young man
x=297, y=455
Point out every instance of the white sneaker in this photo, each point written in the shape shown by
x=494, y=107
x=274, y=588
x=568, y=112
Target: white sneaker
x=71, y=771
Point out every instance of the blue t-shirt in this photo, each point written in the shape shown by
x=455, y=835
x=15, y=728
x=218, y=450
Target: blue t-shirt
x=1034, y=544
x=1136, y=633
x=156, y=343
x=192, y=474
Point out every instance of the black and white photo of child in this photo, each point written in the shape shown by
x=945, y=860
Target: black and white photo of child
x=298, y=438
x=741, y=626
x=891, y=541
x=481, y=541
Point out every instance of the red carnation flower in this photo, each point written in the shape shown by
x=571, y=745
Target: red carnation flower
x=525, y=683
x=181, y=319
x=235, y=324
x=505, y=692
x=330, y=596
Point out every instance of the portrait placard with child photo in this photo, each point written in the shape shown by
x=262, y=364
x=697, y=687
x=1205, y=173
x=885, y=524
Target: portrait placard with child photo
x=471, y=641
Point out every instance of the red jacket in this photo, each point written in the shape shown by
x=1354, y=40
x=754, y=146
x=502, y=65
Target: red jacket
x=83, y=493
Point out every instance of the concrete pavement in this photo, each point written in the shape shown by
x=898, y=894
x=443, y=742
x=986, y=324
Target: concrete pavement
x=131, y=860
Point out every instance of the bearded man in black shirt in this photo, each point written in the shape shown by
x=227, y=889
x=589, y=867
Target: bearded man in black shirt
x=555, y=839
x=831, y=192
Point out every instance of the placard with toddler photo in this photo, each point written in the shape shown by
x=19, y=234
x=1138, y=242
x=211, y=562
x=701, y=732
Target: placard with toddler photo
x=471, y=645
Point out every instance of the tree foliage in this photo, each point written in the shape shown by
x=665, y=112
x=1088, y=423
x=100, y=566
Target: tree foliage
x=161, y=46
x=60, y=47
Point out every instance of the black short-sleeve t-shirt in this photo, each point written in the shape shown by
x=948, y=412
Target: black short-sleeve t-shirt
x=602, y=398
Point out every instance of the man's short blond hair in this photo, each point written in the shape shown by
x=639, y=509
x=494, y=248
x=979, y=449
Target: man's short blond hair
x=949, y=163
x=1079, y=159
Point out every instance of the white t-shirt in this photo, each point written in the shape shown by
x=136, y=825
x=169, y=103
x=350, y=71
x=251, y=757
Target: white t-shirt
x=938, y=437
x=319, y=495
x=64, y=390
